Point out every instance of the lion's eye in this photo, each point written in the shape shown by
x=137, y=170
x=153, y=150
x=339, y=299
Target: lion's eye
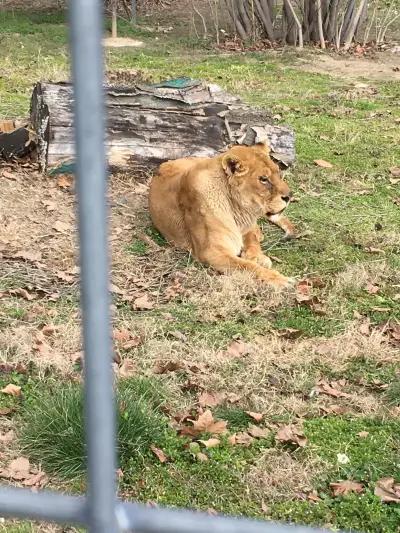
x=264, y=180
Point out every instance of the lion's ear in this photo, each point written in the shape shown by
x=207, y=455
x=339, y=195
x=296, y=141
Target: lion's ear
x=232, y=165
x=263, y=147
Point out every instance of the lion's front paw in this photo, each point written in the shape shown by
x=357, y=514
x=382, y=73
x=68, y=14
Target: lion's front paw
x=275, y=279
x=264, y=261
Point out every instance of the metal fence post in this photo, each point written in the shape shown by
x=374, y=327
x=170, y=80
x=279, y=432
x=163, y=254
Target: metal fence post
x=87, y=69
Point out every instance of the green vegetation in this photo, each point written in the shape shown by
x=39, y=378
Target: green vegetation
x=349, y=216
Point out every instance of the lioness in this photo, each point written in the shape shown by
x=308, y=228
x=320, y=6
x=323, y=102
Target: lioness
x=210, y=207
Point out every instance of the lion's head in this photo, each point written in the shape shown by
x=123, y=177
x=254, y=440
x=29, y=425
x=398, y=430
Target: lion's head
x=255, y=180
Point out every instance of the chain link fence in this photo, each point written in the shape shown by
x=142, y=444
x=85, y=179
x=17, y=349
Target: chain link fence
x=100, y=511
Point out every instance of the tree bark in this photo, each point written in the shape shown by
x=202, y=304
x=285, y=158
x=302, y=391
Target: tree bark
x=150, y=124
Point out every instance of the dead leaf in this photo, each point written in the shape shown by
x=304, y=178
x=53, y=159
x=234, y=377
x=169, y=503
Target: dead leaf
x=64, y=276
x=23, y=293
x=49, y=205
x=237, y=348
x=322, y=163
x=159, y=454
x=4, y=411
x=206, y=423
x=387, y=490
x=291, y=434
x=232, y=439
x=8, y=175
x=7, y=437
x=18, y=469
x=363, y=434
x=372, y=289
x=65, y=181
x=341, y=488
x=170, y=366
x=37, y=480
x=243, y=438
x=178, y=335
x=127, y=369
x=331, y=389
x=333, y=409
x=49, y=330
x=395, y=172
x=62, y=227
x=290, y=333
x=210, y=443
x=313, y=496
x=12, y=390
x=372, y=250
x=143, y=303
x=364, y=328
x=121, y=335
x=255, y=416
x=210, y=399
x=28, y=255
x=257, y=432
x=202, y=457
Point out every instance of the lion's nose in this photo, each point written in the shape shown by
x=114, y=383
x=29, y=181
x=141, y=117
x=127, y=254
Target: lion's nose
x=287, y=197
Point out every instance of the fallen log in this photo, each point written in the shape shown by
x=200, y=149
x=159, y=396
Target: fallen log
x=148, y=124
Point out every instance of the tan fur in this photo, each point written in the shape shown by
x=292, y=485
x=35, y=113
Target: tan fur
x=210, y=207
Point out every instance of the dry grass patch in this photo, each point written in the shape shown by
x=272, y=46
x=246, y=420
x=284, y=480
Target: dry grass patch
x=280, y=475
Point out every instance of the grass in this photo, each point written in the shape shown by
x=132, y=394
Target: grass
x=53, y=426
x=345, y=212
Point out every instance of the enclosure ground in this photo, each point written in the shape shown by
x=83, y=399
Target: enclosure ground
x=302, y=386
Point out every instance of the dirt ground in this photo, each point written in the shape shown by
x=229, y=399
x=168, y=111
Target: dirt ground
x=384, y=67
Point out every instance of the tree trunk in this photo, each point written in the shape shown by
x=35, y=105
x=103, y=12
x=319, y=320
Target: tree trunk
x=150, y=124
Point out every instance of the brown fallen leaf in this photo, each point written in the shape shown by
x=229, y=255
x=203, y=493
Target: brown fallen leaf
x=322, y=163
x=331, y=389
x=5, y=411
x=8, y=175
x=257, y=432
x=12, y=390
x=62, y=227
x=127, y=368
x=48, y=330
x=121, y=335
x=395, y=172
x=372, y=289
x=206, y=423
x=65, y=181
x=210, y=399
x=236, y=348
x=364, y=328
x=7, y=437
x=387, y=490
x=210, y=443
x=143, y=303
x=202, y=457
x=243, y=438
x=159, y=454
x=333, y=409
x=178, y=335
x=28, y=255
x=36, y=480
x=18, y=469
x=290, y=333
x=372, y=250
x=23, y=293
x=255, y=416
x=363, y=434
x=341, y=488
x=170, y=366
x=292, y=435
